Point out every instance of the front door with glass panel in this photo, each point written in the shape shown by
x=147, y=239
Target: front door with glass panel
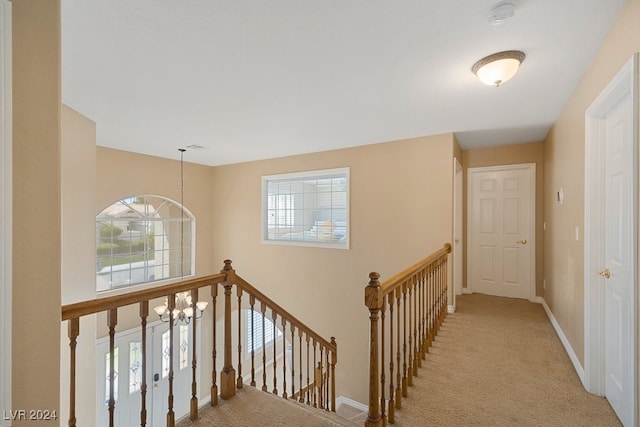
x=182, y=334
x=127, y=379
x=128, y=375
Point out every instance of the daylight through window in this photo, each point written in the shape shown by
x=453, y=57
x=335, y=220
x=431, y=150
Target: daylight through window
x=254, y=333
x=142, y=239
x=308, y=208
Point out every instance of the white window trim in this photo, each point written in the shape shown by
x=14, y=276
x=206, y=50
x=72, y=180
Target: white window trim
x=5, y=196
x=141, y=286
x=305, y=174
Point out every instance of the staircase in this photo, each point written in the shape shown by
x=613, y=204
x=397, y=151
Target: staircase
x=287, y=381
x=297, y=364
x=253, y=407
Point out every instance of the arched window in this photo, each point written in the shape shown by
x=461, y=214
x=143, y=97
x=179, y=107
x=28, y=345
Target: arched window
x=143, y=239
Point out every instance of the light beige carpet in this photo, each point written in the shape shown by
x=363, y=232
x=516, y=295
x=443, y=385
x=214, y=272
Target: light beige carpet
x=498, y=362
x=261, y=409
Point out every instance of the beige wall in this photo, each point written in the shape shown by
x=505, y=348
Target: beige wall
x=401, y=210
x=78, y=192
x=36, y=206
x=564, y=158
x=510, y=155
x=78, y=182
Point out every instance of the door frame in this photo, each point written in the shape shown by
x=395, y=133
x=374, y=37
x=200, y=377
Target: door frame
x=531, y=167
x=150, y=328
x=6, y=207
x=625, y=83
x=458, y=236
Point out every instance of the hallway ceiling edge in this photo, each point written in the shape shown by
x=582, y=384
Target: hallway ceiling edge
x=249, y=80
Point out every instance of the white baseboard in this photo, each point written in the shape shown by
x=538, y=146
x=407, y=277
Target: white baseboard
x=204, y=401
x=341, y=400
x=451, y=309
x=466, y=291
x=563, y=339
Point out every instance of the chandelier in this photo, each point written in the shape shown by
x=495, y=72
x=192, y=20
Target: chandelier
x=184, y=309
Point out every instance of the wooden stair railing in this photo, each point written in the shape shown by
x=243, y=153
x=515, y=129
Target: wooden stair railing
x=304, y=344
x=419, y=297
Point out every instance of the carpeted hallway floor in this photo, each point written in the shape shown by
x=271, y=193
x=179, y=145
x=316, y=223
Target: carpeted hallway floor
x=496, y=362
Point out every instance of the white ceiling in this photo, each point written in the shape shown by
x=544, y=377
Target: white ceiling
x=256, y=79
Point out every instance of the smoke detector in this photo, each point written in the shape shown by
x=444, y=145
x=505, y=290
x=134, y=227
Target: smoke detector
x=501, y=13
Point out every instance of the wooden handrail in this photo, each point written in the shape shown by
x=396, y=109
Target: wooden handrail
x=320, y=392
x=98, y=305
x=395, y=281
x=419, y=295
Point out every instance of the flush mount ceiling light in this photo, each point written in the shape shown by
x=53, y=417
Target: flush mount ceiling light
x=493, y=70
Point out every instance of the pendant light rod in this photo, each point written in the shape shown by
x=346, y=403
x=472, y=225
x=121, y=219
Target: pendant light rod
x=184, y=309
x=182, y=150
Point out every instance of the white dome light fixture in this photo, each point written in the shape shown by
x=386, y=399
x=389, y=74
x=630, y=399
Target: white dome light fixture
x=494, y=70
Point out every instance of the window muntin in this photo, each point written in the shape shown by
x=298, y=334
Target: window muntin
x=142, y=239
x=307, y=208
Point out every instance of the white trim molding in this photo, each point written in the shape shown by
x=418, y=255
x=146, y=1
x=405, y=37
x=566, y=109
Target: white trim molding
x=6, y=209
x=341, y=400
x=563, y=339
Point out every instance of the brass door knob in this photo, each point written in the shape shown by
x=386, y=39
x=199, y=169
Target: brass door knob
x=522, y=242
x=606, y=273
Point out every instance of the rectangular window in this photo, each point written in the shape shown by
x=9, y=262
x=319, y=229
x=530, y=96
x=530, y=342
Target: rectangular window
x=184, y=346
x=307, y=208
x=166, y=352
x=135, y=367
x=255, y=333
x=107, y=361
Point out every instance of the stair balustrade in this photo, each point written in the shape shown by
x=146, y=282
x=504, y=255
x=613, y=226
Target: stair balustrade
x=418, y=295
x=307, y=359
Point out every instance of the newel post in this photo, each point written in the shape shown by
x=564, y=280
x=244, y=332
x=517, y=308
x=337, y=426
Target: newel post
x=373, y=300
x=228, y=374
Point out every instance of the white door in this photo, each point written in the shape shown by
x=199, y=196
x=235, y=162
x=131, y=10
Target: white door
x=128, y=378
x=182, y=342
x=618, y=272
x=611, y=236
x=500, y=219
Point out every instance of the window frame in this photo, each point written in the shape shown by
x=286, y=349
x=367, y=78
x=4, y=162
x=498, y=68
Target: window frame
x=344, y=243
x=124, y=288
